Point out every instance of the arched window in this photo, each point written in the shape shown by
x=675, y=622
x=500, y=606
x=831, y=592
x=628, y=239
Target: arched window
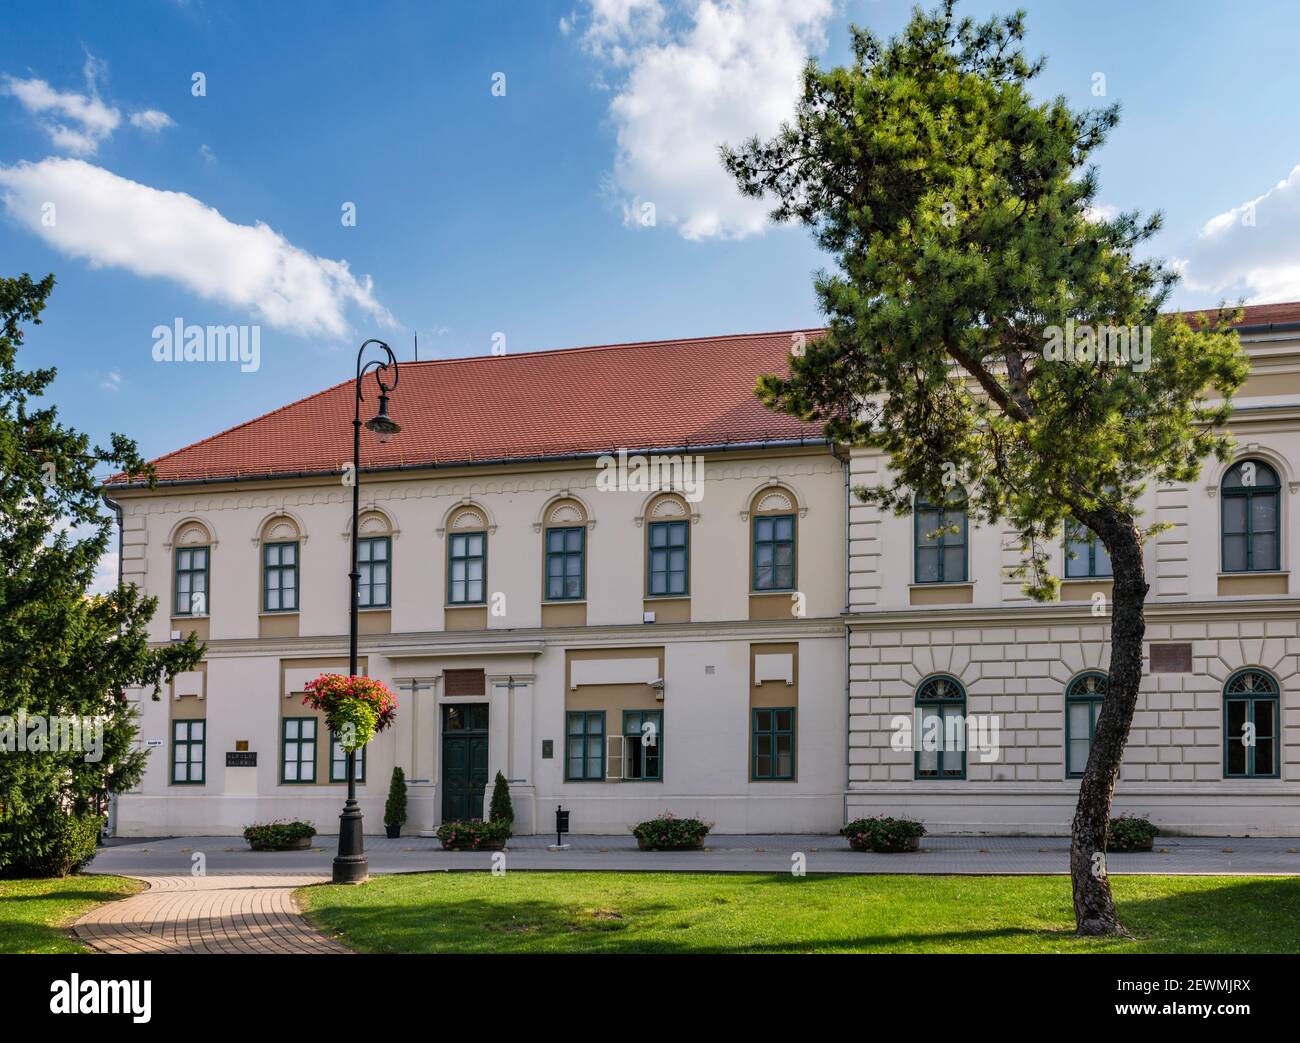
x=1250, y=726
x=467, y=557
x=941, y=749
x=566, y=551
x=192, y=561
x=941, y=540
x=1083, y=697
x=668, y=547
x=1252, y=499
x=773, y=529
x=281, y=540
x=374, y=560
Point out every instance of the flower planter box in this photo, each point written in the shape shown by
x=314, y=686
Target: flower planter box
x=392, y=832
x=486, y=845
x=280, y=836
x=910, y=844
x=645, y=845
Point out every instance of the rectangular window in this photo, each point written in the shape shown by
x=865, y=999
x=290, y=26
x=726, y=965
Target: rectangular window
x=585, y=749
x=643, y=732
x=772, y=744
x=940, y=544
x=280, y=577
x=339, y=762
x=565, y=563
x=466, y=568
x=1250, y=536
x=1085, y=555
x=1250, y=739
x=774, y=552
x=669, y=554
x=188, y=748
x=191, y=582
x=1080, y=727
x=372, y=562
x=298, y=763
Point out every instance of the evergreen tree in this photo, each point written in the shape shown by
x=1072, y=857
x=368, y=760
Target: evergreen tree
x=501, y=810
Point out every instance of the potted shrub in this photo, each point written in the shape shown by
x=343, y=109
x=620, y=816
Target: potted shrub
x=395, y=806
x=1130, y=833
x=474, y=835
x=669, y=833
x=883, y=834
x=279, y=836
x=501, y=810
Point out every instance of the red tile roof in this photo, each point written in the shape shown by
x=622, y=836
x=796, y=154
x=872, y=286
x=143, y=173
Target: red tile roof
x=577, y=401
x=1258, y=314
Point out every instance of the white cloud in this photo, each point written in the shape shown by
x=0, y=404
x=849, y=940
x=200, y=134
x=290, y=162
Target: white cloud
x=730, y=70
x=116, y=223
x=1101, y=212
x=151, y=119
x=112, y=382
x=1252, y=251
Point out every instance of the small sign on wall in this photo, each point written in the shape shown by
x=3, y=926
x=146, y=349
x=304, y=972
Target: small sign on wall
x=154, y=744
x=548, y=749
x=241, y=759
x=1171, y=659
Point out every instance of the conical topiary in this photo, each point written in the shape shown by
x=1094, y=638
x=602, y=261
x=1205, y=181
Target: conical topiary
x=395, y=806
x=501, y=809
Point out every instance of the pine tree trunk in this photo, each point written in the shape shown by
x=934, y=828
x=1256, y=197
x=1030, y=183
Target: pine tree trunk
x=1094, y=907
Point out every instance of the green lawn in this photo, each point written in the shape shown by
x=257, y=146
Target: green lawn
x=699, y=912
x=33, y=912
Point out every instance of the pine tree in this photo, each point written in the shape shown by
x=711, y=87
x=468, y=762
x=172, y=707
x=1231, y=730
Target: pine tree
x=64, y=653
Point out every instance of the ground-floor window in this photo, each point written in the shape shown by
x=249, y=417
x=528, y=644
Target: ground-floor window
x=339, y=762
x=585, y=752
x=942, y=704
x=1083, y=700
x=298, y=763
x=1250, y=732
x=643, y=732
x=188, y=749
x=772, y=743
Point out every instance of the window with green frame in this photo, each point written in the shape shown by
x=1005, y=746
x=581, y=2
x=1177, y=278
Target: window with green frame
x=1083, y=699
x=298, y=757
x=280, y=577
x=943, y=700
x=1085, y=555
x=189, y=747
x=774, y=557
x=940, y=535
x=1251, y=495
x=1251, y=704
x=772, y=745
x=566, y=569
x=584, y=754
x=339, y=762
x=668, y=570
x=466, y=568
x=191, y=594
x=643, y=741
x=373, y=554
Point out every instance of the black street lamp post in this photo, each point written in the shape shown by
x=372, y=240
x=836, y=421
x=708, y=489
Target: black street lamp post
x=350, y=864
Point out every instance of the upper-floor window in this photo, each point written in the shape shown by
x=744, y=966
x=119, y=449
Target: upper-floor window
x=467, y=556
x=774, y=529
x=1085, y=555
x=566, y=552
x=942, y=746
x=1083, y=698
x=669, y=570
x=373, y=562
x=941, y=540
x=280, y=577
x=1250, y=726
x=1252, y=499
x=191, y=595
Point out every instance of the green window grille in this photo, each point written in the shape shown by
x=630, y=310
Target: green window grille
x=566, y=563
x=1251, y=704
x=940, y=536
x=941, y=700
x=373, y=554
x=298, y=761
x=774, y=557
x=772, y=743
x=191, y=594
x=1251, y=496
x=280, y=577
x=189, y=747
x=466, y=568
x=585, y=745
x=669, y=558
x=1083, y=698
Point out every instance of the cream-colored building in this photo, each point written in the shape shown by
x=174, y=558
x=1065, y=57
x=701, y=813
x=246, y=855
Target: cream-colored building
x=621, y=648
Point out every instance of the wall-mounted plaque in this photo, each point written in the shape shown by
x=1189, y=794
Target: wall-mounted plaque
x=1171, y=659
x=548, y=749
x=241, y=759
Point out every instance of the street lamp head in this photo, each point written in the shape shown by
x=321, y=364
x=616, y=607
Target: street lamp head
x=382, y=424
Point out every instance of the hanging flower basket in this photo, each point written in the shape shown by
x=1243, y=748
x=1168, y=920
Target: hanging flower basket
x=355, y=708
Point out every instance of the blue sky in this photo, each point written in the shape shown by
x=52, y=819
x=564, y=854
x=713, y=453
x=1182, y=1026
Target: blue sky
x=519, y=214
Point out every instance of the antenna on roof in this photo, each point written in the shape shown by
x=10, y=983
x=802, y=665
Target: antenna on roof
x=417, y=347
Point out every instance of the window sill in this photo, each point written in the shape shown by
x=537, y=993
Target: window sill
x=278, y=612
x=558, y=601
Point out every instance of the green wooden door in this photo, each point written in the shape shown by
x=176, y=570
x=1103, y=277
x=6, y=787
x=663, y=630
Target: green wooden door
x=464, y=760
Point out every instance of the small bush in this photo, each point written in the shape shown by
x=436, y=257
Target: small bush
x=882, y=834
x=501, y=810
x=60, y=845
x=472, y=834
x=669, y=833
x=1130, y=832
x=277, y=836
x=395, y=806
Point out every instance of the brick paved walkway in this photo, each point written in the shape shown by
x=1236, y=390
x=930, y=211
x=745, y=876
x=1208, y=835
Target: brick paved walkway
x=207, y=914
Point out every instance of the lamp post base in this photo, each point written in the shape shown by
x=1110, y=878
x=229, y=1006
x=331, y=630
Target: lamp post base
x=351, y=865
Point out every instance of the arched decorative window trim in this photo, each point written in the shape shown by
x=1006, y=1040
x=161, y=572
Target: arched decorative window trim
x=1270, y=693
x=1088, y=687
x=918, y=505
x=652, y=501
x=192, y=519
x=928, y=693
x=392, y=531
x=543, y=521
x=491, y=524
x=1279, y=511
x=1255, y=451
x=301, y=537
x=798, y=502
